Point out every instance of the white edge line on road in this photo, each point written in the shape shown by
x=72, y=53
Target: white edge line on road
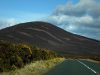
x=88, y=67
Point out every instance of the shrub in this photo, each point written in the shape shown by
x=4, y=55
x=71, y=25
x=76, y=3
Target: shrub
x=14, y=56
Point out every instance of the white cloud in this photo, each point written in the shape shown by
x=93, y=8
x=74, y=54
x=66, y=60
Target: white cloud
x=20, y=17
x=7, y=22
x=86, y=19
x=81, y=18
x=82, y=8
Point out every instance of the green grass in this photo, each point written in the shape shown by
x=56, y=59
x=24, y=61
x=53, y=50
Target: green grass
x=36, y=67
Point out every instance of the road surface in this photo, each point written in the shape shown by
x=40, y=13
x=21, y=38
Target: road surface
x=75, y=67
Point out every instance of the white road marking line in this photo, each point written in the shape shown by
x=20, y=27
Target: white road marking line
x=88, y=67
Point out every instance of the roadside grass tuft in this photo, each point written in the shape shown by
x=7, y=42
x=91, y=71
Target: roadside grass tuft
x=36, y=67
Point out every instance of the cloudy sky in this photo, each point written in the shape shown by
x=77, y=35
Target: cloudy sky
x=77, y=16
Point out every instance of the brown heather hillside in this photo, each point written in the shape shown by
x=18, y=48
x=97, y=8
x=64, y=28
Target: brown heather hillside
x=46, y=35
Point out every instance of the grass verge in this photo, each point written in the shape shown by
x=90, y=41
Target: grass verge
x=36, y=67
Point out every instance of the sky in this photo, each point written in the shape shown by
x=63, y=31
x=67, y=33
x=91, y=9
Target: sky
x=27, y=10
x=17, y=11
x=80, y=17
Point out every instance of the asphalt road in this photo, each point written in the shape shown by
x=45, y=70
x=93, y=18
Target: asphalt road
x=75, y=67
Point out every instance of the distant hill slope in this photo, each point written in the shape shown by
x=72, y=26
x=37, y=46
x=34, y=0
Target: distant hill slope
x=48, y=36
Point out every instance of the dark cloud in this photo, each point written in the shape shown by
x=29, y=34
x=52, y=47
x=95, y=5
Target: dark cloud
x=84, y=7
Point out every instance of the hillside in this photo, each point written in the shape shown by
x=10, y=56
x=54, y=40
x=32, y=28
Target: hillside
x=46, y=35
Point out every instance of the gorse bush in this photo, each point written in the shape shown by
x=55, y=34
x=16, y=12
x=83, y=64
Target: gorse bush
x=14, y=56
